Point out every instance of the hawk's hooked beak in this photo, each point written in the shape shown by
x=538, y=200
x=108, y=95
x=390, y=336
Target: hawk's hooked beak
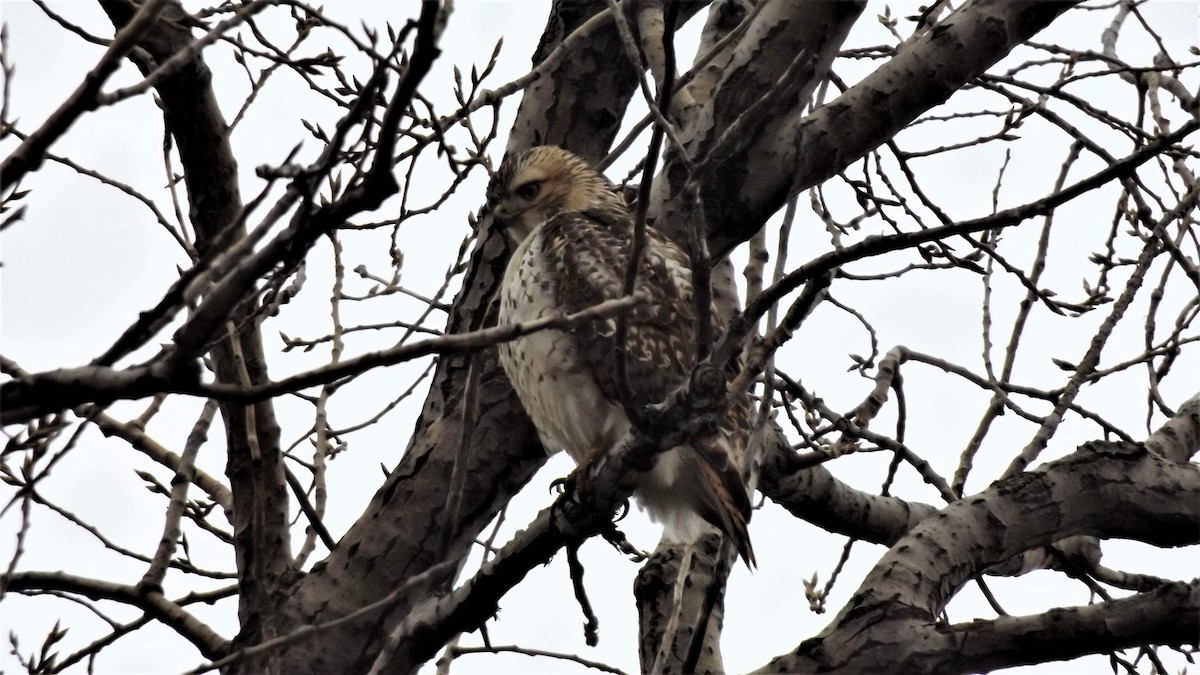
x=511, y=220
x=503, y=216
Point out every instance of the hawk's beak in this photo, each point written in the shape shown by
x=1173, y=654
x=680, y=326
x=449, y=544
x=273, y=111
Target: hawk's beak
x=502, y=213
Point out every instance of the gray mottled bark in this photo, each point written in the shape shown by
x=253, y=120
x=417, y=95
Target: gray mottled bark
x=891, y=624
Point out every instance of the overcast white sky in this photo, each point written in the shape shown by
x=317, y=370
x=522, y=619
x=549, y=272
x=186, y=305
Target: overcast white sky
x=87, y=258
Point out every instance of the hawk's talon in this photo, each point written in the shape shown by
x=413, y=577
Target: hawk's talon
x=621, y=512
x=571, y=484
x=560, y=485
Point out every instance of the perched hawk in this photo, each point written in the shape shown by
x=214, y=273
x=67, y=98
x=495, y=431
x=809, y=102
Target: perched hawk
x=573, y=232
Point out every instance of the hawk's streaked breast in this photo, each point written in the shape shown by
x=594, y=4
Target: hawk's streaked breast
x=568, y=409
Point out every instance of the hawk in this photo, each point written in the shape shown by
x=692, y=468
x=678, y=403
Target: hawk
x=573, y=233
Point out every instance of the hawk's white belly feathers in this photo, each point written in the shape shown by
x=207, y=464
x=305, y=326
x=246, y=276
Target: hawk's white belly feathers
x=568, y=409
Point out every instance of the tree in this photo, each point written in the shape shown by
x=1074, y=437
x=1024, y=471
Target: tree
x=964, y=151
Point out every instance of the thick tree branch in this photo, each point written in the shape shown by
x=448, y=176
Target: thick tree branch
x=769, y=75
x=1165, y=616
x=578, y=104
x=909, y=587
x=789, y=153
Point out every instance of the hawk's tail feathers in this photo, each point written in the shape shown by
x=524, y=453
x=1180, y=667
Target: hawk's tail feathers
x=728, y=505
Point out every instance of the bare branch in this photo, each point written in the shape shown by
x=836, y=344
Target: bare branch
x=153, y=578
x=169, y=612
x=1167, y=615
x=31, y=153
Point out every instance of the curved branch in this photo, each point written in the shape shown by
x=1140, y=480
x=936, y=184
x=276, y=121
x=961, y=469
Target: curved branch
x=881, y=628
x=1165, y=616
x=210, y=644
x=813, y=494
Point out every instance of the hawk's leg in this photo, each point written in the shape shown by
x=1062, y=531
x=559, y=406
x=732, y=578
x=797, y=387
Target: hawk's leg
x=575, y=483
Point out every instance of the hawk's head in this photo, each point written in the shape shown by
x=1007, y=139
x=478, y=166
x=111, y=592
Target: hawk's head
x=541, y=182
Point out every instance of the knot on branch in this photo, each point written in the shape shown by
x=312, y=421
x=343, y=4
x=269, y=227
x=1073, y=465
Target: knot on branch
x=1120, y=449
x=705, y=388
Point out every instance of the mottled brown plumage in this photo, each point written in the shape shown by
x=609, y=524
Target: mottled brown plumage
x=573, y=233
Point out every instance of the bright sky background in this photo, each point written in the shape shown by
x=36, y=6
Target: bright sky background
x=87, y=258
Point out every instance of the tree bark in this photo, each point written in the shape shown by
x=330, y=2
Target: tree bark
x=578, y=105
x=891, y=624
x=255, y=464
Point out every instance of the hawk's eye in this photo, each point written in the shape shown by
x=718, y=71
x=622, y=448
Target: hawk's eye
x=529, y=190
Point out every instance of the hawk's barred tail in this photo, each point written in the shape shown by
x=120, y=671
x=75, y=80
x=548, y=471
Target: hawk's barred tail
x=729, y=508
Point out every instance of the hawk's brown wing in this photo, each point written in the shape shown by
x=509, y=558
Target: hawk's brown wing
x=587, y=253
